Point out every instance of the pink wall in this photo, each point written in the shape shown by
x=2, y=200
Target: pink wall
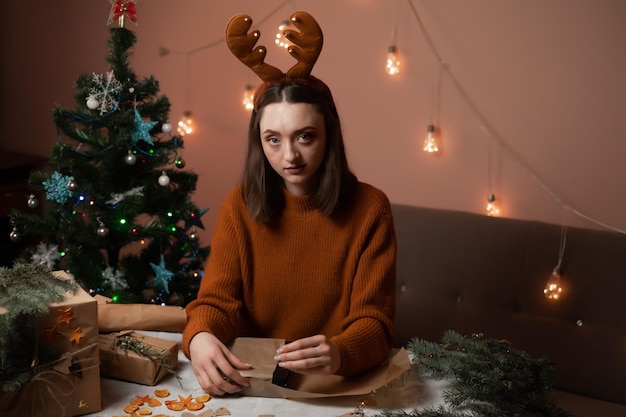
x=545, y=78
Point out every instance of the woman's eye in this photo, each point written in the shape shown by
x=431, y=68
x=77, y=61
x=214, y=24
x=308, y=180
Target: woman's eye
x=305, y=137
x=272, y=140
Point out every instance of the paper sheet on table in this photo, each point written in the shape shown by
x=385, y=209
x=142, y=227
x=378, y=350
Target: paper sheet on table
x=114, y=317
x=260, y=352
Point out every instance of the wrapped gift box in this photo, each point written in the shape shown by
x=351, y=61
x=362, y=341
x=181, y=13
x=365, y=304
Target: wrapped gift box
x=69, y=386
x=152, y=363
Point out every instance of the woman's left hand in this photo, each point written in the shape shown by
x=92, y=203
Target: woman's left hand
x=310, y=355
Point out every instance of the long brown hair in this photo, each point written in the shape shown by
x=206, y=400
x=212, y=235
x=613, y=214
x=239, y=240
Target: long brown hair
x=262, y=187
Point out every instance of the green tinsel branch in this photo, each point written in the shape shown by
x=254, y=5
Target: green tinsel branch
x=128, y=342
x=488, y=378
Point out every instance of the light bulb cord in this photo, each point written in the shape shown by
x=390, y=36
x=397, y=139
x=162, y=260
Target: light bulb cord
x=485, y=123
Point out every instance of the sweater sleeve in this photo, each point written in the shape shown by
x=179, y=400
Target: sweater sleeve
x=217, y=307
x=368, y=330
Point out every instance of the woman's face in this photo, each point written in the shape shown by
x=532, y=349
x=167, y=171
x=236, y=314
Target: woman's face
x=293, y=137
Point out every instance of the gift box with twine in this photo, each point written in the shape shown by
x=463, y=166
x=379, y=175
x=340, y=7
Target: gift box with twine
x=62, y=378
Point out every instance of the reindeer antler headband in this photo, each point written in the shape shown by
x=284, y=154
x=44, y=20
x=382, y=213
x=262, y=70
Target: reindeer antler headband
x=306, y=48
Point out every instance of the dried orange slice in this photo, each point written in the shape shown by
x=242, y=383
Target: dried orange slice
x=131, y=408
x=144, y=411
x=175, y=405
x=153, y=402
x=162, y=393
x=195, y=406
x=202, y=398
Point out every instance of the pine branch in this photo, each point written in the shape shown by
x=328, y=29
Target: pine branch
x=26, y=290
x=487, y=377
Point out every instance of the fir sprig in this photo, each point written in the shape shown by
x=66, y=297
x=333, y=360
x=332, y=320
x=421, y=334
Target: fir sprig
x=488, y=378
x=26, y=290
x=128, y=342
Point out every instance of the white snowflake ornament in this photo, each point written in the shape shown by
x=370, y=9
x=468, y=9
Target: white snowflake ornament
x=105, y=91
x=46, y=254
x=114, y=278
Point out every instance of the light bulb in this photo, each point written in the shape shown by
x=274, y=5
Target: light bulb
x=280, y=39
x=430, y=144
x=185, y=125
x=553, y=287
x=492, y=207
x=393, y=64
x=248, y=97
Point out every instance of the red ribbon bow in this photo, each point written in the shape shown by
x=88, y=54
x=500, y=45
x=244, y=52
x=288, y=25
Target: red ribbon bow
x=122, y=9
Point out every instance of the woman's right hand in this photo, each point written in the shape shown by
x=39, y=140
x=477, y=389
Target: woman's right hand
x=215, y=366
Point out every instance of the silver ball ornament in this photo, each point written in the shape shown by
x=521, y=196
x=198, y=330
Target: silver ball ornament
x=92, y=103
x=102, y=231
x=130, y=159
x=179, y=162
x=164, y=180
x=32, y=201
x=166, y=128
x=72, y=185
x=14, y=235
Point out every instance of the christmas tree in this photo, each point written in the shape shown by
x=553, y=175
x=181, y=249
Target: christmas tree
x=117, y=212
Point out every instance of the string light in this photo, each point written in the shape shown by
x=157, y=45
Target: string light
x=430, y=144
x=280, y=40
x=492, y=207
x=393, y=63
x=553, y=288
x=185, y=124
x=248, y=97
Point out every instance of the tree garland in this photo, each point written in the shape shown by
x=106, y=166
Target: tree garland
x=488, y=378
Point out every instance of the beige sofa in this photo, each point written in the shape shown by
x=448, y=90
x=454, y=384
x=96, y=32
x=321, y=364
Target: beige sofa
x=478, y=274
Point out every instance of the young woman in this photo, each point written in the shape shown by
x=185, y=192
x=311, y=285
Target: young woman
x=301, y=251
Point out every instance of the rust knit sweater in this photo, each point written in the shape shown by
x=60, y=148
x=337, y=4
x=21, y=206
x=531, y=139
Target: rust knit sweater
x=309, y=274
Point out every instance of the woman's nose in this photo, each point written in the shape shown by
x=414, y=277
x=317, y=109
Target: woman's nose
x=291, y=152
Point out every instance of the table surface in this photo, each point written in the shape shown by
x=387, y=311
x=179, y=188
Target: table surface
x=407, y=393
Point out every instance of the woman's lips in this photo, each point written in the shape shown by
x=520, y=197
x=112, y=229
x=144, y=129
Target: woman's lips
x=294, y=170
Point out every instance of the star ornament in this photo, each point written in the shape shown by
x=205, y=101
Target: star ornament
x=65, y=315
x=195, y=219
x=162, y=276
x=121, y=9
x=76, y=335
x=142, y=129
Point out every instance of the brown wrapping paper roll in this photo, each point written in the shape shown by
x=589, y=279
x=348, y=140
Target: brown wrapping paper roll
x=259, y=352
x=115, y=317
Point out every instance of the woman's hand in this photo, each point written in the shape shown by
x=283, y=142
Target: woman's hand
x=311, y=355
x=215, y=366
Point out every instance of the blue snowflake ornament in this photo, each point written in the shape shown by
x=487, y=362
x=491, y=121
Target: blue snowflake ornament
x=162, y=276
x=142, y=129
x=56, y=187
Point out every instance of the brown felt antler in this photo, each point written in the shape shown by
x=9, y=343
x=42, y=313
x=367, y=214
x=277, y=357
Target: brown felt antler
x=306, y=48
